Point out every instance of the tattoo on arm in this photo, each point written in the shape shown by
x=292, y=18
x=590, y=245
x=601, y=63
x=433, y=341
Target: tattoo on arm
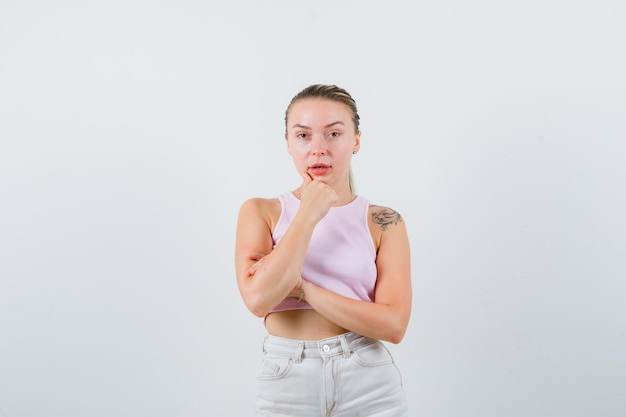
x=385, y=217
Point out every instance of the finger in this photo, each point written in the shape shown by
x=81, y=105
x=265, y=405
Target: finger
x=259, y=258
x=256, y=256
x=252, y=270
x=306, y=177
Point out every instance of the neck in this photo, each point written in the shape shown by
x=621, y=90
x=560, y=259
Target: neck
x=344, y=198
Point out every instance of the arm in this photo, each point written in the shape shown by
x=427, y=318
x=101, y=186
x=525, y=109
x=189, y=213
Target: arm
x=265, y=285
x=387, y=317
x=279, y=271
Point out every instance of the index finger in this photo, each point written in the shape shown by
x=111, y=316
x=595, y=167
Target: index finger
x=306, y=177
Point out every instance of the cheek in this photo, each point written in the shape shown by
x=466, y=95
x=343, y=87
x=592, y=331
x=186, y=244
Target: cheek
x=298, y=153
x=299, y=150
x=299, y=147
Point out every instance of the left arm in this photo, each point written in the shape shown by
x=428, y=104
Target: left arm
x=386, y=318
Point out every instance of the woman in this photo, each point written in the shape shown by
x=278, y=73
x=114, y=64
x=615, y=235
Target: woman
x=329, y=272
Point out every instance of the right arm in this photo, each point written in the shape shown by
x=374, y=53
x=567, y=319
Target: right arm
x=279, y=273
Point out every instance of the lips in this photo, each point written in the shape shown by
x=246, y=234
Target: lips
x=319, y=169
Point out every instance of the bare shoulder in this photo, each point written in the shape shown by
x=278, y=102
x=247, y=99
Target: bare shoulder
x=266, y=208
x=258, y=203
x=385, y=224
x=383, y=218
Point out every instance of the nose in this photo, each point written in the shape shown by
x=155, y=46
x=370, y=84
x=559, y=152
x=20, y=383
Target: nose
x=319, y=145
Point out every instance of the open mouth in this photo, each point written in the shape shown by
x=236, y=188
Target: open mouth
x=319, y=169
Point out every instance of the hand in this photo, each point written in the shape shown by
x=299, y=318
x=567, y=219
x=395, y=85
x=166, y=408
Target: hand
x=295, y=292
x=316, y=197
x=259, y=258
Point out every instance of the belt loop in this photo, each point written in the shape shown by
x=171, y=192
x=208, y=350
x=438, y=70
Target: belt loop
x=263, y=346
x=297, y=356
x=344, y=346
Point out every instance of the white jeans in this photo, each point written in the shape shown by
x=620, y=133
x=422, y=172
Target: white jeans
x=343, y=376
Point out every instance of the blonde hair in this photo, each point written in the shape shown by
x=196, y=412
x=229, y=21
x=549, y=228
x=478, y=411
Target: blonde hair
x=330, y=92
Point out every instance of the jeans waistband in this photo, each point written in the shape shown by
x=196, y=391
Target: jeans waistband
x=343, y=344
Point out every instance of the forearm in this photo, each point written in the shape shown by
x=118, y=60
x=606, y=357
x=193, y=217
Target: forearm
x=375, y=320
x=280, y=271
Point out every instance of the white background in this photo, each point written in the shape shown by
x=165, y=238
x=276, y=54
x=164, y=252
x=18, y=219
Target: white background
x=131, y=132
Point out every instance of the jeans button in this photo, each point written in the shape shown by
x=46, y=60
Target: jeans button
x=326, y=348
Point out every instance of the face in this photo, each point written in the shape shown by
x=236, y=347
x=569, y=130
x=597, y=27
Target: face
x=321, y=139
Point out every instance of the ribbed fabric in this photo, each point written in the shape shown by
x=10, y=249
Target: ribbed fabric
x=341, y=256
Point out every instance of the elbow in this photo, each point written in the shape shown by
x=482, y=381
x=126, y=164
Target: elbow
x=396, y=337
x=258, y=302
x=257, y=311
x=396, y=330
x=257, y=307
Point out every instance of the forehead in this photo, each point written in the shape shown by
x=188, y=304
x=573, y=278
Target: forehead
x=311, y=111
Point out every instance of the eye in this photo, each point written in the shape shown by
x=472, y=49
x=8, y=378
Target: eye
x=302, y=136
x=334, y=134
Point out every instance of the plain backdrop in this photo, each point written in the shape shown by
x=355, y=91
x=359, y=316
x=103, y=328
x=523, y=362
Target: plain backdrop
x=131, y=132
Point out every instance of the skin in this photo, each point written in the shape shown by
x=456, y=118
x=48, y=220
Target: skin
x=321, y=139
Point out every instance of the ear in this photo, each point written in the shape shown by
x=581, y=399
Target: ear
x=357, y=143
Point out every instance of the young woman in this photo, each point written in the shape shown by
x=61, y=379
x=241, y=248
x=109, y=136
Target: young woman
x=328, y=271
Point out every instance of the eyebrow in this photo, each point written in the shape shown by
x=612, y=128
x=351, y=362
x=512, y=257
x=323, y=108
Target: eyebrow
x=297, y=125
